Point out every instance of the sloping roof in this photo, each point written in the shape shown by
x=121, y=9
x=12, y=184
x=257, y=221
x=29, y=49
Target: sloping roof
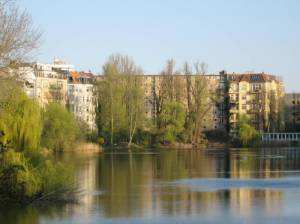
x=254, y=77
x=75, y=76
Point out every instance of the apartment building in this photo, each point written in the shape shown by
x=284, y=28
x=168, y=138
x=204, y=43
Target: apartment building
x=45, y=83
x=81, y=100
x=292, y=112
x=257, y=95
x=50, y=85
x=224, y=97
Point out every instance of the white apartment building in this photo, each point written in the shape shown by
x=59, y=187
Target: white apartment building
x=81, y=100
x=45, y=83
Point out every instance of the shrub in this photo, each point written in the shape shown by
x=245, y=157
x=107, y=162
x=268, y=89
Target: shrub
x=60, y=129
x=22, y=182
x=56, y=177
x=18, y=181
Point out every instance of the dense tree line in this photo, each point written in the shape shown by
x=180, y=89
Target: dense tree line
x=123, y=101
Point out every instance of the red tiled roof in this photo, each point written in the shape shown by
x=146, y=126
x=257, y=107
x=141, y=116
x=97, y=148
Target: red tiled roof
x=76, y=75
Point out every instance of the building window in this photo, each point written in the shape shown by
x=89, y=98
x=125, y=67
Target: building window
x=256, y=87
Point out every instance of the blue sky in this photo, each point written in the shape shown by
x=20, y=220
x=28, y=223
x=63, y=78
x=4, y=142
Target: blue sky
x=235, y=35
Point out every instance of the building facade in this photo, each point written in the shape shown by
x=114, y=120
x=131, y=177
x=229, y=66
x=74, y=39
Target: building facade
x=259, y=96
x=45, y=83
x=218, y=100
x=81, y=99
x=292, y=112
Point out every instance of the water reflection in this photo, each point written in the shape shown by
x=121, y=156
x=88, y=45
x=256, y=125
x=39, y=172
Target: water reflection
x=130, y=182
x=141, y=185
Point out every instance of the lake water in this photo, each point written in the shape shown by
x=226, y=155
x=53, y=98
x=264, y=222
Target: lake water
x=177, y=186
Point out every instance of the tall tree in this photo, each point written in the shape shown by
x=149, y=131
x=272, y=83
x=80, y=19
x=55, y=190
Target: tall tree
x=201, y=97
x=121, y=96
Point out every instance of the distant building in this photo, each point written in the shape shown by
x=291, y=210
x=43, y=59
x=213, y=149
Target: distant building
x=45, y=83
x=50, y=85
x=257, y=95
x=81, y=100
x=27, y=75
x=292, y=112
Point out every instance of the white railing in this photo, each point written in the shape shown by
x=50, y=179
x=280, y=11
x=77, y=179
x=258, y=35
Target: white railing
x=281, y=136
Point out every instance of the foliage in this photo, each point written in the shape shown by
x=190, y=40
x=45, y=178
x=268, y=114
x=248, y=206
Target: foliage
x=120, y=108
x=171, y=122
x=24, y=173
x=22, y=180
x=247, y=135
x=123, y=101
x=17, y=178
x=20, y=117
x=56, y=177
x=60, y=130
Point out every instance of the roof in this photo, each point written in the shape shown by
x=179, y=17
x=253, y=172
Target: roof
x=76, y=76
x=252, y=78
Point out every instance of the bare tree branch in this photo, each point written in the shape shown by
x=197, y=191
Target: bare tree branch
x=18, y=37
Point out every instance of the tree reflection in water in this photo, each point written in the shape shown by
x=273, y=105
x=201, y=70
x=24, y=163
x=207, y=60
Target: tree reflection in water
x=140, y=185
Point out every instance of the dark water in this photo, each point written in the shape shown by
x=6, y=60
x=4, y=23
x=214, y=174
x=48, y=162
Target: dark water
x=236, y=186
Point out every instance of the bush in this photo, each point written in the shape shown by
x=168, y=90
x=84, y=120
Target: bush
x=60, y=129
x=22, y=182
x=18, y=181
x=56, y=177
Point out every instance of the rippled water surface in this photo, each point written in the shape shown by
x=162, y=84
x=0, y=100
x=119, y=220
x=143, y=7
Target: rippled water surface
x=176, y=186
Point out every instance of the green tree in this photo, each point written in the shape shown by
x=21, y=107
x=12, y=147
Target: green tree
x=120, y=109
x=20, y=117
x=171, y=122
x=110, y=110
x=60, y=130
x=246, y=134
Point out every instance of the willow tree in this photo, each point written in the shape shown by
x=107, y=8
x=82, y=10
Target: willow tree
x=20, y=117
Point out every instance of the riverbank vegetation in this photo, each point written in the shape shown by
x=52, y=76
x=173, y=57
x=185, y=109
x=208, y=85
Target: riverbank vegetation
x=60, y=129
x=27, y=173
